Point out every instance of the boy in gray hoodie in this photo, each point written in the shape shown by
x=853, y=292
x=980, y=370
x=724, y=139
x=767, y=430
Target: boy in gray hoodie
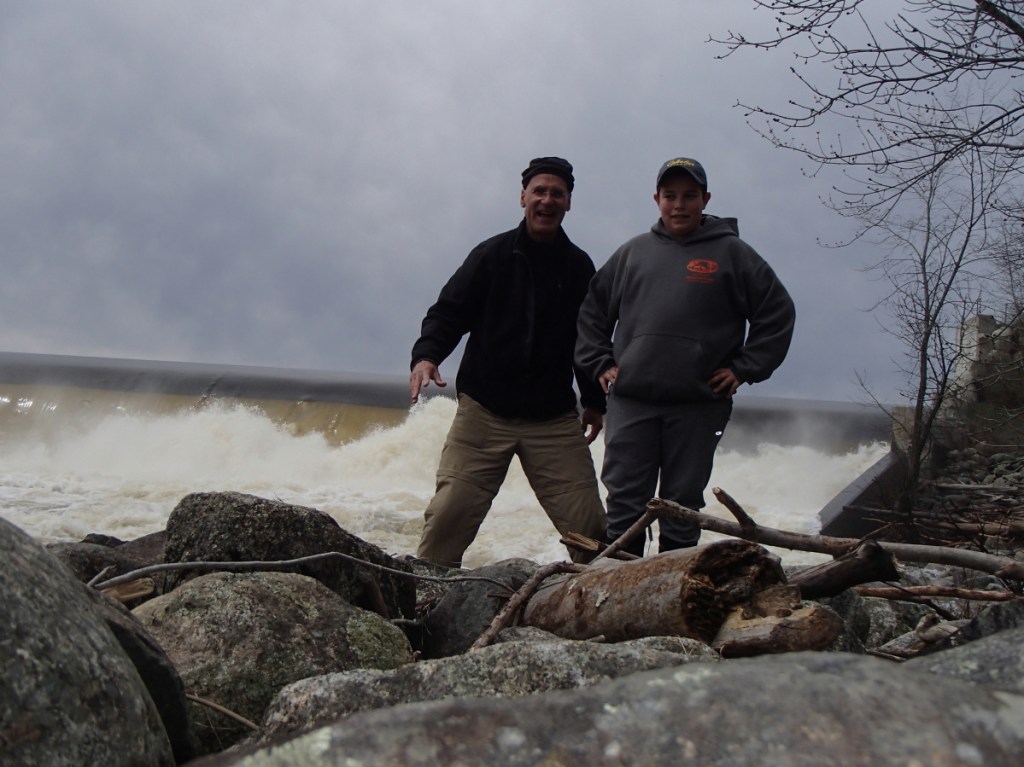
x=672, y=324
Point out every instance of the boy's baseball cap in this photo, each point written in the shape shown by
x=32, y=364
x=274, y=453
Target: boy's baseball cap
x=556, y=166
x=694, y=168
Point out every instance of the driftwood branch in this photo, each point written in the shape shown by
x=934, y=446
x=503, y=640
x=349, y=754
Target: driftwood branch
x=1003, y=567
x=580, y=542
x=921, y=593
x=746, y=521
x=864, y=564
x=1000, y=489
x=646, y=520
x=277, y=566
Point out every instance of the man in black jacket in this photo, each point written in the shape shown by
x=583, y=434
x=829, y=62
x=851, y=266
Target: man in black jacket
x=517, y=296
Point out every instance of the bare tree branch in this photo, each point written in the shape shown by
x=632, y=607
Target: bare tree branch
x=894, y=91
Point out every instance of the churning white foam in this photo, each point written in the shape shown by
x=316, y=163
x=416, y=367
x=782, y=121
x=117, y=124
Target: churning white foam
x=124, y=475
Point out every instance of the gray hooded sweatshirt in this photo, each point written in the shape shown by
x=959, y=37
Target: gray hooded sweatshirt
x=681, y=308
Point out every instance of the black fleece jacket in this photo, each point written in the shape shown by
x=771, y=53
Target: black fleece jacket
x=518, y=300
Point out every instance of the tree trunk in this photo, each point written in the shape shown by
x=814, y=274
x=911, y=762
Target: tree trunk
x=686, y=592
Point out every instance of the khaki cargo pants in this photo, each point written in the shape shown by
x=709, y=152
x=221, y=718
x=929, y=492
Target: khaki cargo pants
x=474, y=461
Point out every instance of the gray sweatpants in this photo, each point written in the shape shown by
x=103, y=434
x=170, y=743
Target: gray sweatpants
x=645, y=442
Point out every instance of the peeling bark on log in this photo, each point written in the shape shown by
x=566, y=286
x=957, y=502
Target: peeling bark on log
x=776, y=621
x=686, y=593
x=868, y=562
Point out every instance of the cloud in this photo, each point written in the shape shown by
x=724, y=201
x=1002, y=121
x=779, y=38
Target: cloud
x=290, y=184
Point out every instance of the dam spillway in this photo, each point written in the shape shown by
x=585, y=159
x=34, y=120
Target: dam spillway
x=367, y=399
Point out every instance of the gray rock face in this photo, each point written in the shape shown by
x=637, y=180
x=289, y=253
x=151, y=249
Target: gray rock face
x=236, y=527
x=871, y=622
x=468, y=607
x=236, y=639
x=998, y=617
x=507, y=670
x=69, y=695
x=156, y=671
x=89, y=557
x=794, y=710
x=996, y=661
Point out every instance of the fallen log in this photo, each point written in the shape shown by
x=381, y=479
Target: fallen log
x=686, y=593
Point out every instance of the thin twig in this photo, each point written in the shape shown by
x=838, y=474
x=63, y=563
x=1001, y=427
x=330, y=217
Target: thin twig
x=641, y=524
x=222, y=710
x=99, y=575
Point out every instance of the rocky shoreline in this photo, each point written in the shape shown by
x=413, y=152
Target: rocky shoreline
x=331, y=661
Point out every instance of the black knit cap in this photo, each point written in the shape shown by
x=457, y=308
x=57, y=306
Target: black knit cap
x=556, y=166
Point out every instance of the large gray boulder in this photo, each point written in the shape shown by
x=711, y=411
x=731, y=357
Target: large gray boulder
x=69, y=695
x=793, y=710
x=507, y=670
x=236, y=527
x=238, y=638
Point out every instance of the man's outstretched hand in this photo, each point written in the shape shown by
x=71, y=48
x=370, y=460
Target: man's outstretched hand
x=423, y=372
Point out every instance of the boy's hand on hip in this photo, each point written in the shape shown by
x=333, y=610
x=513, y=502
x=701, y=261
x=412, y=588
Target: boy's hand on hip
x=607, y=379
x=724, y=381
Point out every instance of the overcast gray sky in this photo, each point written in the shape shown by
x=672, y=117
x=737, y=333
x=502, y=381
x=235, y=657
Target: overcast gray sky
x=289, y=184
